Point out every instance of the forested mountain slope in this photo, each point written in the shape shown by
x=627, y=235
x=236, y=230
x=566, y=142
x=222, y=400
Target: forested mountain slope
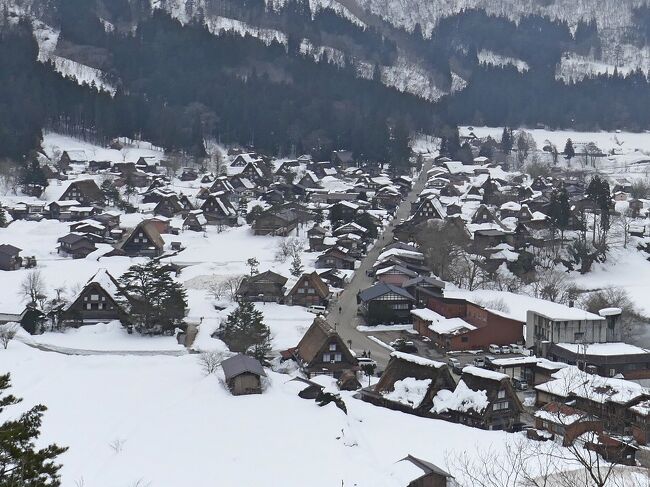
x=312, y=75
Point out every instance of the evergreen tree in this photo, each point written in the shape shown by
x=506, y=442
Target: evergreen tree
x=3, y=217
x=254, y=264
x=157, y=302
x=31, y=178
x=21, y=463
x=569, y=151
x=296, y=266
x=244, y=331
x=110, y=191
x=507, y=140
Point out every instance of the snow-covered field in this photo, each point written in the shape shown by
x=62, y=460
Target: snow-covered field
x=160, y=422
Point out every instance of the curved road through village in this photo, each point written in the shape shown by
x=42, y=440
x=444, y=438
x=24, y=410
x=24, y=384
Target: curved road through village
x=347, y=321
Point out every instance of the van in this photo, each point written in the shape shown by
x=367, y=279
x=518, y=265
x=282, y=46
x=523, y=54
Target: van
x=479, y=362
x=506, y=349
x=495, y=349
x=317, y=310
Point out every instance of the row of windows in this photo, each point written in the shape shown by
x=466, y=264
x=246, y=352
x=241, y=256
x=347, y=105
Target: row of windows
x=500, y=406
x=332, y=357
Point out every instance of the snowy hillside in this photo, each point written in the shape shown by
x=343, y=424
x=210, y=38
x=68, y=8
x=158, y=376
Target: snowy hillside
x=193, y=432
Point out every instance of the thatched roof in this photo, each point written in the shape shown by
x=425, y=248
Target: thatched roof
x=404, y=365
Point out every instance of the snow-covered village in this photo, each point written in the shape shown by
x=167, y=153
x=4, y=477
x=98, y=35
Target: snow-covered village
x=247, y=318
x=324, y=243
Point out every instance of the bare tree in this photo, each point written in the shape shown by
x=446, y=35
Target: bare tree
x=525, y=144
x=210, y=361
x=288, y=248
x=7, y=333
x=231, y=286
x=33, y=287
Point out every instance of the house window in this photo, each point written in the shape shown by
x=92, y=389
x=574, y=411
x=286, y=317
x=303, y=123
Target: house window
x=501, y=394
x=89, y=306
x=612, y=372
x=337, y=357
x=301, y=291
x=332, y=347
x=310, y=291
x=578, y=336
x=94, y=297
x=464, y=339
x=499, y=406
x=326, y=357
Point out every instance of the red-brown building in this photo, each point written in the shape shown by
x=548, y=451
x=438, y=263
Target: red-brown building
x=458, y=324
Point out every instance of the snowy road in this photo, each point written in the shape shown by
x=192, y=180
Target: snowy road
x=347, y=320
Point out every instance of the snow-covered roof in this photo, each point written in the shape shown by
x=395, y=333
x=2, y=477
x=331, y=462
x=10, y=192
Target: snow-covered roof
x=484, y=373
x=408, y=391
x=573, y=381
x=462, y=399
x=417, y=360
x=514, y=361
x=603, y=349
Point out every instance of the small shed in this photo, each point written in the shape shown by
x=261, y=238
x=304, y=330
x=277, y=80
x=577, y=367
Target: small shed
x=243, y=375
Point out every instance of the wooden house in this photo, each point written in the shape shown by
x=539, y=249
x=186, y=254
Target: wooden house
x=60, y=210
x=566, y=421
x=85, y=191
x=491, y=401
x=144, y=241
x=243, y=159
x=406, y=371
x=217, y=209
x=335, y=258
x=169, y=206
x=101, y=300
x=189, y=174
x=265, y=287
x=322, y=351
x=309, y=290
x=255, y=173
x=76, y=245
x=10, y=259
x=281, y=220
x=316, y=236
x=243, y=375
x=414, y=472
x=195, y=221
x=342, y=158
x=385, y=303
x=395, y=274
x=430, y=208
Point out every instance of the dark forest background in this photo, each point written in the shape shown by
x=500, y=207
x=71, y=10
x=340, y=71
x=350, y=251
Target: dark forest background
x=178, y=84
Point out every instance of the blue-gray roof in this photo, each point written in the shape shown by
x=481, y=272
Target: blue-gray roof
x=380, y=289
x=241, y=364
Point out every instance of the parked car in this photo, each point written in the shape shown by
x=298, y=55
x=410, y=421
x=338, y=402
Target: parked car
x=366, y=361
x=317, y=310
x=479, y=362
x=516, y=348
x=506, y=349
x=520, y=384
x=455, y=365
x=402, y=345
x=494, y=349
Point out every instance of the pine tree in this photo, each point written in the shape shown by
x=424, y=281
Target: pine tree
x=31, y=178
x=296, y=266
x=254, y=264
x=3, y=218
x=507, y=140
x=244, y=331
x=569, y=151
x=157, y=302
x=21, y=464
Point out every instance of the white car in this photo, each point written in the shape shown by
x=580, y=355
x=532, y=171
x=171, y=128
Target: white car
x=317, y=310
x=366, y=361
x=495, y=349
